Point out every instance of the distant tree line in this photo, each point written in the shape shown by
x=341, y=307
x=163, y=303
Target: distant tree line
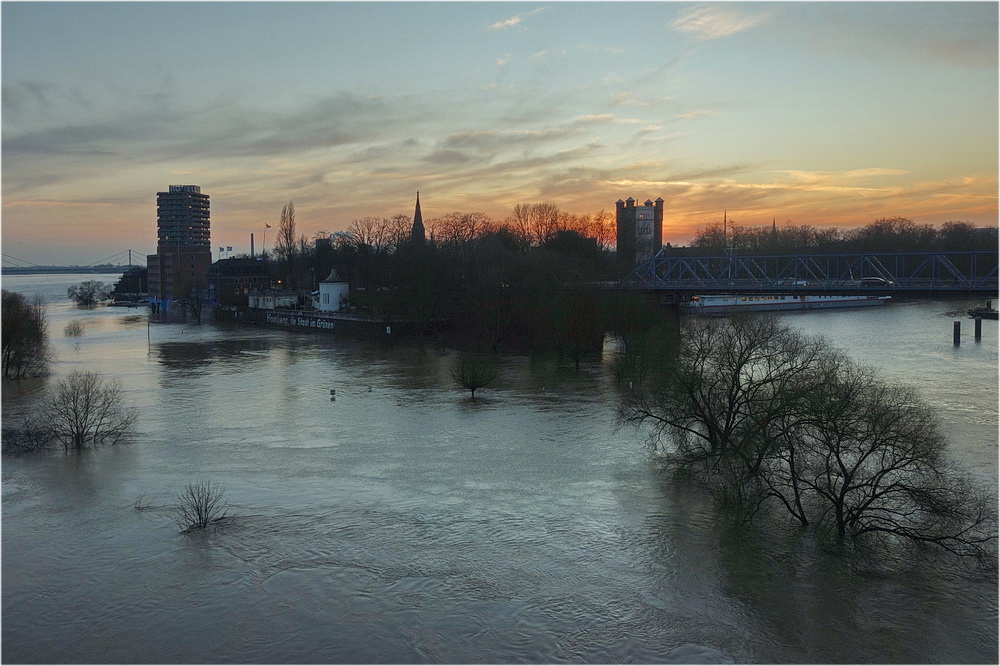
x=364, y=252
x=466, y=252
x=497, y=284
x=890, y=234
x=521, y=282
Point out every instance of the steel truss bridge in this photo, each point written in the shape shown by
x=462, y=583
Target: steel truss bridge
x=927, y=272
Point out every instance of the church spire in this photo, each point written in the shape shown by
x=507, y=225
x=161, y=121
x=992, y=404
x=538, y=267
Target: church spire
x=417, y=233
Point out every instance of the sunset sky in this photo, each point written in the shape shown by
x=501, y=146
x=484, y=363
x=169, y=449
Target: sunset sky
x=828, y=114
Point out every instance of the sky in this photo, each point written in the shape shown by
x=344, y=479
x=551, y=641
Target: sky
x=820, y=113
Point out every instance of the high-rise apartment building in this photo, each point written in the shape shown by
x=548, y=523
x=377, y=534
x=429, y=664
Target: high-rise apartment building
x=183, y=245
x=182, y=217
x=640, y=230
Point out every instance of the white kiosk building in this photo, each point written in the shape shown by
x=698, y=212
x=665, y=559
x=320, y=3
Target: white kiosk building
x=333, y=292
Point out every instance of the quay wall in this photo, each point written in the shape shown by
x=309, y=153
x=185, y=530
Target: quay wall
x=326, y=322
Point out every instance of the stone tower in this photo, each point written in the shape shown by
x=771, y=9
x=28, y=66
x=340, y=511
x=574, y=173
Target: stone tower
x=640, y=231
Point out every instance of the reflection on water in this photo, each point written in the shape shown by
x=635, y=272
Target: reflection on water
x=200, y=356
x=404, y=522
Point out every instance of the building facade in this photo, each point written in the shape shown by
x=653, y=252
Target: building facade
x=230, y=281
x=640, y=231
x=183, y=245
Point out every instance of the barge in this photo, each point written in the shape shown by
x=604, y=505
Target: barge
x=723, y=304
x=987, y=312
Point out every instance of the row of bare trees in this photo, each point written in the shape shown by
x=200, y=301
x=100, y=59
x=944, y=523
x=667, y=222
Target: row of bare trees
x=530, y=225
x=774, y=422
x=371, y=240
x=891, y=234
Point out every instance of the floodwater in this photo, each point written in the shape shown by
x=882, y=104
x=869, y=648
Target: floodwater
x=405, y=523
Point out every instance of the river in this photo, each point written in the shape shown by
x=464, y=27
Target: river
x=405, y=523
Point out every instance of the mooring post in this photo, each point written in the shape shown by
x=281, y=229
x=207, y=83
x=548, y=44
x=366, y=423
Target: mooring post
x=979, y=329
x=958, y=333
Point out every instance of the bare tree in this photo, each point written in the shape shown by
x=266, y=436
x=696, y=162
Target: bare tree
x=398, y=230
x=84, y=408
x=370, y=232
x=473, y=373
x=603, y=227
x=285, y=246
x=545, y=222
x=729, y=377
x=875, y=466
x=535, y=223
x=458, y=228
x=369, y=237
x=195, y=302
x=25, y=435
x=200, y=504
x=24, y=340
x=519, y=222
x=768, y=418
x=88, y=293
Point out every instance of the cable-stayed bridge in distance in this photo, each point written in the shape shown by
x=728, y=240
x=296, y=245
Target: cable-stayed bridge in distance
x=119, y=261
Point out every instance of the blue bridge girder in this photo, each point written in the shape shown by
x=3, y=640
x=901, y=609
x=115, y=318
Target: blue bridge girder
x=969, y=272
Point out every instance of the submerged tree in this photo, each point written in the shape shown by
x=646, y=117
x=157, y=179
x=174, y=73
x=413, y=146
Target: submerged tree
x=24, y=340
x=474, y=372
x=773, y=420
x=88, y=293
x=200, y=504
x=874, y=466
x=84, y=408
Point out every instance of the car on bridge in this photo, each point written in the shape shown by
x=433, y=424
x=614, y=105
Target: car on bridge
x=875, y=282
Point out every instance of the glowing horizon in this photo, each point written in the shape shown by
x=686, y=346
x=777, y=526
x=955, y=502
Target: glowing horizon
x=825, y=114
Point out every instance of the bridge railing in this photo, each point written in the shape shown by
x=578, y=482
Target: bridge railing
x=913, y=271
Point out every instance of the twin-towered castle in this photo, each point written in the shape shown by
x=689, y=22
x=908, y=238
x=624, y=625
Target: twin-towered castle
x=640, y=230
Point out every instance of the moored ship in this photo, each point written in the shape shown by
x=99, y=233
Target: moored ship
x=984, y=312
x=722, y=304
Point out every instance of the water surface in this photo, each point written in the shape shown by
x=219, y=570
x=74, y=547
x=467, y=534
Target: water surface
x=406, y=523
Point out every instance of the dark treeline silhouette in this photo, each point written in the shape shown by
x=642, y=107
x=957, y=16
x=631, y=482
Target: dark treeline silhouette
x=25, y=349
x=524, y=282
x=891, y=234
